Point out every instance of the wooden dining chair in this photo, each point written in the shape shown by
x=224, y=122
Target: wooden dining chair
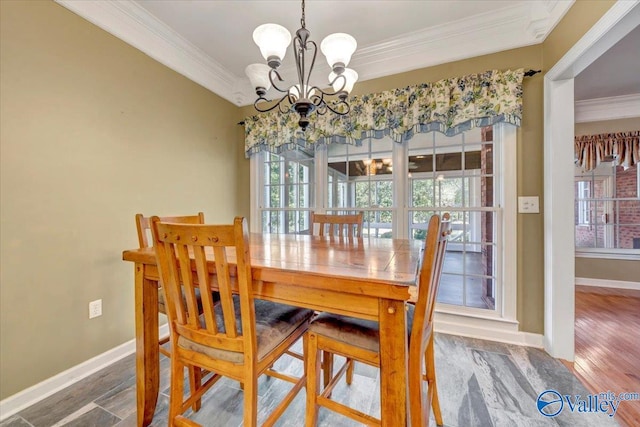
x=338, y=225
x=342, y=225
x=143, y=226
x=240, y=337
x=360, y=340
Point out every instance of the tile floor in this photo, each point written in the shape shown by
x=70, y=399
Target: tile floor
x=481, y=383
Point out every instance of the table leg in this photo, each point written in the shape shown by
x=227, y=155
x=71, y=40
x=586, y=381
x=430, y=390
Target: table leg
x=393, y=363
x=147, y=354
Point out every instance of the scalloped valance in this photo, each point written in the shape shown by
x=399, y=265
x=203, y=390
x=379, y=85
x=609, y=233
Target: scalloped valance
x=450, y=106
x=623, y=148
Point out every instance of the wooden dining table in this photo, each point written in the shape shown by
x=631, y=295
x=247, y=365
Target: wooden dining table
x=368, y=278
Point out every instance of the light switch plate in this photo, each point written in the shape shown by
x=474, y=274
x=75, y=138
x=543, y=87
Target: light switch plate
x=529, y=204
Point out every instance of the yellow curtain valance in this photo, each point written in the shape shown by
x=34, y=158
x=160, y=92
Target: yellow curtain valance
x=623, y=148
x=449, y=106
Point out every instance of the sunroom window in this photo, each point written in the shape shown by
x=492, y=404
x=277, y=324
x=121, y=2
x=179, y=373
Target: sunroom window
x=456, y=175
x=399, y=186
x=361, y=179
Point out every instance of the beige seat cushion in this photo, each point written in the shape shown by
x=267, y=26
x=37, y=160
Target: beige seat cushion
x=274, y=323
x=357, y=332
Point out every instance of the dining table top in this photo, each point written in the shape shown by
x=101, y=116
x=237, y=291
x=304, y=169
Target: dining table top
x=372, y=260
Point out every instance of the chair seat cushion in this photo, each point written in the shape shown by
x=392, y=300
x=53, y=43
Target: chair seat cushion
x=350, y=330
x=274, y=323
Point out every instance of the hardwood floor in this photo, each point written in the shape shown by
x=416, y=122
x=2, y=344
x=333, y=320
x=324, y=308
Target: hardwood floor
x=608, y=345
x=480, y=384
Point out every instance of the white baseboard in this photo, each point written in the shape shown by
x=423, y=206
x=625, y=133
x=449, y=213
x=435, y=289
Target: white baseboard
x=486, y=329
x=27, y=397
x=604, y=283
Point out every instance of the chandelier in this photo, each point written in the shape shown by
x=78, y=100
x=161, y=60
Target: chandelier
x=273, y=41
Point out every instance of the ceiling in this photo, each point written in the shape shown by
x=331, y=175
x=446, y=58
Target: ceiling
x=615, y=73
x=223, y=29
x=211, y=43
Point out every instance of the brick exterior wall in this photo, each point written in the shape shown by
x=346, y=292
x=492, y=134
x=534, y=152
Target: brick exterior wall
x=628, y=211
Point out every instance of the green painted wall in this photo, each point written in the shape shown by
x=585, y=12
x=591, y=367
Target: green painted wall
x=92, y=131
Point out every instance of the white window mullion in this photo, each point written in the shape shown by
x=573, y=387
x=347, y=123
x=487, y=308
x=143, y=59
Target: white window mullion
x=505, y=144
x=400, y=190
x=256, y=180
x=321, y=179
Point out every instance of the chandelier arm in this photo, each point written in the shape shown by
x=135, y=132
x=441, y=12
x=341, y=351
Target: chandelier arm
x=299, y=57
x=322, y=109
x=273, y=72
x=344, y=84
x=313, y=62
x=282, y=108
x=317, y=99
x=263, y=99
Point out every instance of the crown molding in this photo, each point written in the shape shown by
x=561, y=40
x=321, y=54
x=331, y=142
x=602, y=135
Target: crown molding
x=611, y=108
x=134, y=25
x=525, y=24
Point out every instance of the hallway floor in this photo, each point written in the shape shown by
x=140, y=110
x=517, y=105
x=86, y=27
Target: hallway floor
x=608, y=344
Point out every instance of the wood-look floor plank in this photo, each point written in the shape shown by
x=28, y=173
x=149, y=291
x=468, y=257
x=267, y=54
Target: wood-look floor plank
x=608, y=345
x=474, y=378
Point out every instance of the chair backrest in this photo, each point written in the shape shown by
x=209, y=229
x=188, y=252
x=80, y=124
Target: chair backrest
x=435, y=245
x=143, y=224
x=341, y=225
x=181, y=252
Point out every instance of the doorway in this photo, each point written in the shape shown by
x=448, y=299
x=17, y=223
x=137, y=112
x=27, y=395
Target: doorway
x=559, y=199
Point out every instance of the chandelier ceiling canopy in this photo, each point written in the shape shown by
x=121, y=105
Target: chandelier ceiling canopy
x=302, y=97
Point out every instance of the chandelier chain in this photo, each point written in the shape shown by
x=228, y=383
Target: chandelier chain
x=302, y=21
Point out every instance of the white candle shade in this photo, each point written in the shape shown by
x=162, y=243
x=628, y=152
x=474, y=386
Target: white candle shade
x=338, y=48
x=273, y=40
x=258, y=75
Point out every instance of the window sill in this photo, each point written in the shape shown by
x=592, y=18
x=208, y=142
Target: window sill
x=622, y=254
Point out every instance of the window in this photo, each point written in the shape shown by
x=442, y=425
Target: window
x=583, y=194
x=399, y=186
x=455, y=175
x=361, y=179
x=288, y=192
x=607, y=212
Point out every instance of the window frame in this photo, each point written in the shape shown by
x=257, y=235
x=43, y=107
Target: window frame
x=608, y=253
x=505, y=184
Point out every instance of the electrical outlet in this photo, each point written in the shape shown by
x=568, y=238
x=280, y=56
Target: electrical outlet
x=95, y=308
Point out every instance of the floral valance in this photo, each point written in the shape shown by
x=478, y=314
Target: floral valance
x=450, y=106
x=623, y=148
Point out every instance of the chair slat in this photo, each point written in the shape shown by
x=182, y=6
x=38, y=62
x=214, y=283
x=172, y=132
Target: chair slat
x=349, y=225
x=204, y=281
x=188, y=284
x=173, y=292
x=226, y=296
